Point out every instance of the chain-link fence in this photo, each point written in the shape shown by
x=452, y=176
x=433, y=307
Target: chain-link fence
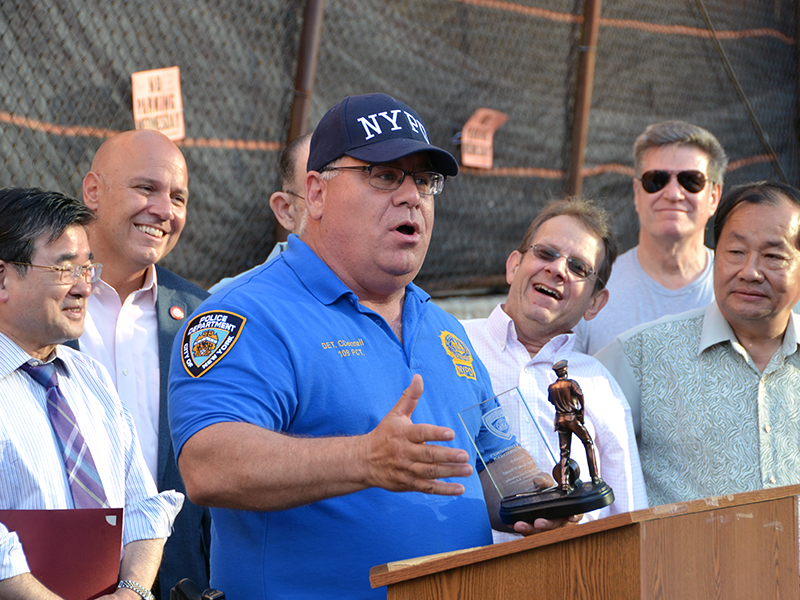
x=65, y=86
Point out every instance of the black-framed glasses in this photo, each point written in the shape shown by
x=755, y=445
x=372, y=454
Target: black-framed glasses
x=295, y=194
x=388, y=178
x=580, y=269
x=71, y=273
x=691, y=181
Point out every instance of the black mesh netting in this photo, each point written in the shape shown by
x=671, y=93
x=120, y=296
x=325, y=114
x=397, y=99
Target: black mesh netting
x=65, y=85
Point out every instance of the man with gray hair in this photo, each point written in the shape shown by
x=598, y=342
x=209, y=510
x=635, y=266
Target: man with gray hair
x=678, y=183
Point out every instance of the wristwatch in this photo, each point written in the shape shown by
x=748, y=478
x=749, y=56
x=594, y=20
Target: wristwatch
x=135, y=587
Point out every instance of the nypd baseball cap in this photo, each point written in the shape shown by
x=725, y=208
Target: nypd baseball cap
x=374, y=128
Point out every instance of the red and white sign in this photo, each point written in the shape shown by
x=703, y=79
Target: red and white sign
x=157, y=101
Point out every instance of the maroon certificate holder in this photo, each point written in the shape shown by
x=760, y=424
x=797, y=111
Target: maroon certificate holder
x=75, y=553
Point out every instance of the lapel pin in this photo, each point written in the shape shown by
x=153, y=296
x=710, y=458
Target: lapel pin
x=176, y=312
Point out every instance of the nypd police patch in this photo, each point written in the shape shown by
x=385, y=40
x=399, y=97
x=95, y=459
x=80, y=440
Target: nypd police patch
x=459, y=352
x=208, y=337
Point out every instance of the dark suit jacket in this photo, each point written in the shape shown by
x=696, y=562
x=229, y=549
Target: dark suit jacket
x=187, y=550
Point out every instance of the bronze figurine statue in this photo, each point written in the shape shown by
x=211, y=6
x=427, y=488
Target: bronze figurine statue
x=566, y=395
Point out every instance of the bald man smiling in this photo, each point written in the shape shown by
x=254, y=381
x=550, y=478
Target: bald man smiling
x=138, y=188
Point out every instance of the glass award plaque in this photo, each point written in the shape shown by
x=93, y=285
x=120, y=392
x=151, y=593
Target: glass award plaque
x=498, y=419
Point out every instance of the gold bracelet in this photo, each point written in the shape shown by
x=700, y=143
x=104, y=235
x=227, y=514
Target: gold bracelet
x=135, y=587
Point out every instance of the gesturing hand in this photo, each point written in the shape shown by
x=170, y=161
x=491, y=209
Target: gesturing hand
x=397, y=457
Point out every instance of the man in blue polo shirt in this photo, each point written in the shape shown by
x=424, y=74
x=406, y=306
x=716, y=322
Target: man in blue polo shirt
x=284, y=388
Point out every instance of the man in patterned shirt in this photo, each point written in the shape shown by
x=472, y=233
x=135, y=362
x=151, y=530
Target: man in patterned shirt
x=715, y=391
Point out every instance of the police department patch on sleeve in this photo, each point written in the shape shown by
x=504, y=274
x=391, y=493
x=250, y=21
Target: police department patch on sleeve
x=207, y=338
x=459, y=352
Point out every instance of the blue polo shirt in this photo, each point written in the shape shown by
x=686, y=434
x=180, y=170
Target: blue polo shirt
x=289, y=348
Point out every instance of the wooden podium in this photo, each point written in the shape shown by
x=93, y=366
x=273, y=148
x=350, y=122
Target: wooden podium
x=742, y=546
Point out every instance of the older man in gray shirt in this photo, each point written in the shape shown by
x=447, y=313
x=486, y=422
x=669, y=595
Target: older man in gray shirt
x=678, y=182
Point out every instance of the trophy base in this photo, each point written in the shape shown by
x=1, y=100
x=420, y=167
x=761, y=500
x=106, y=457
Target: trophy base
x=552, y=503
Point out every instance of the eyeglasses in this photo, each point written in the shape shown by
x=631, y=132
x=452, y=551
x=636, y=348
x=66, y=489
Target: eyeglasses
x=691, y=181
x=296, y=195
x=384, y=177
x=576, y=266
x=72, y=273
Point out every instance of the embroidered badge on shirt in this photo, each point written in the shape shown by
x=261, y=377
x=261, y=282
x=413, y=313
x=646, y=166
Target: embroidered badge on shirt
x=458, y=351
x=207, y=338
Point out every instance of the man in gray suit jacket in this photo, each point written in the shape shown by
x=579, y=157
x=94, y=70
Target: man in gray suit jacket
x=138, y=189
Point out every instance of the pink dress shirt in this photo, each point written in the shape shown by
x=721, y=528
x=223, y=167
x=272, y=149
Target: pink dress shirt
x=123, y=337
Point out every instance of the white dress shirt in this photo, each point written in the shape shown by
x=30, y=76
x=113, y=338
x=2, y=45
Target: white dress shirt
x=607, y=414
x=32, y=473
x=123, y=337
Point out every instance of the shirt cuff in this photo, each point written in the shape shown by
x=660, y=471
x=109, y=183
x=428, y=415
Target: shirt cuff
x=152, y=517
x=12, y=556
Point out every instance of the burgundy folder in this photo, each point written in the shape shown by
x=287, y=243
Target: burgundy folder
x=75, y=553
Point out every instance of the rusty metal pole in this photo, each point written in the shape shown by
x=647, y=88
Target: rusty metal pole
x=307, y=56
x=583, y=95
x=306, y=68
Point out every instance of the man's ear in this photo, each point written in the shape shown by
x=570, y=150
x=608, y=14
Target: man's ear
x=281, y=203
x=91, y=190
x=599, y=300
x=4, y=267
x=316, y=187
x=512, y=264
x=636, y=184
x=716, y=194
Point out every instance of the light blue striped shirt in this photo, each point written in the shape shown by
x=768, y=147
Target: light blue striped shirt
x=32, y=474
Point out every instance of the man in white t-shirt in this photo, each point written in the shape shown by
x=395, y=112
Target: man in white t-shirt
x=678, y=183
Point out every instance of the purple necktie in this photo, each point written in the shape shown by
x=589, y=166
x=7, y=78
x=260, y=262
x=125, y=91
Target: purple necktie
x=87, y=491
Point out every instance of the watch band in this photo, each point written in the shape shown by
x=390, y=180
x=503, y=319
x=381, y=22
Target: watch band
x=135, y=587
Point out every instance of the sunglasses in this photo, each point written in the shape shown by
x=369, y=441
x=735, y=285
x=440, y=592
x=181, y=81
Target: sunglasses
x=691, y=181
x=576, y=266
